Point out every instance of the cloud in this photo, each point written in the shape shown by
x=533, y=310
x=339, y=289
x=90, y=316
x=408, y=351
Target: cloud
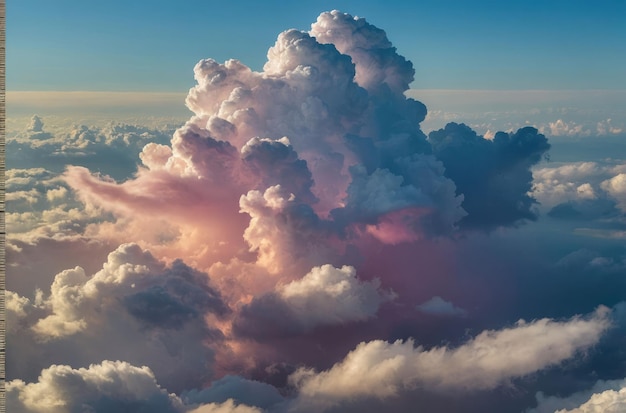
x=111, y=386
x=493, y=175
x=107, y=387
x=560, y=128
x=606, y=396
x=314, y=113
x=36, y=124
x=283, y=231
x=226, y=407
x=606, y=127
x=276, y=163
x=490, y=359
x=439, y=306
x=325, y=296
x=616, y=188
x=237, y=237
x=377, y=65
x=92, y=147
x=155, y=315
x=417, y=184
x=582, y=191
x=235, y=388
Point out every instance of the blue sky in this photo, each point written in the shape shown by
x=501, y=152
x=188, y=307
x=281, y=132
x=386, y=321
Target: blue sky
x=152, y=45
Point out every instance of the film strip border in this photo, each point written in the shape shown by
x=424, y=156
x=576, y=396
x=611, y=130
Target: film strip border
x=2, y=206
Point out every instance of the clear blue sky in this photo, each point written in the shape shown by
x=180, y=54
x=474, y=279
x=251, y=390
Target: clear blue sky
x=132, y=45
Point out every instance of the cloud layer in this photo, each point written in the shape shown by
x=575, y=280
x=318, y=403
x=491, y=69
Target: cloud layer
x=301, y=245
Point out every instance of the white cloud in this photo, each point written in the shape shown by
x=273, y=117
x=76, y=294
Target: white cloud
x=580, y=182
x=227, y=407
x=485, y=362
x=329, y=295
x=325, y=296
x=609, y=401
x=606, y=396
x=606, y=127
x=155, y=315
x=108, y=387
x=561, y=128
x=616, y=187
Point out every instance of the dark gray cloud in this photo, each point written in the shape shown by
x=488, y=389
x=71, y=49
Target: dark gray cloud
x=493, y=176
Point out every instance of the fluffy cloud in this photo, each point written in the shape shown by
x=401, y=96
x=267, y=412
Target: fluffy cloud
x=493, y=175
x=325, y=296
x=604, y=397
x=107, y=387
x=154, y=313
x=581, y=191
x=616, y=188
x=604, y=127
x=111, y=386
x=485, y=362
x=609, y=401
x=439, y=306
x=92, y=147
x=313, y=113
x=282, y=186
x=377, y=65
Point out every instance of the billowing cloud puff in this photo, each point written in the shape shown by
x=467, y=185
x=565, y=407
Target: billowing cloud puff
x=107, y=387
x=283, y=231
x=153, y=294
x=609, y=401
x=325, y=296
x=92, y=147
x=376, y=62
x=560, y=127
x=616, y=188
x=606, y=396
x=413, y=183
x=316, y=122
x=488, y=360
x=276, y=163
x=493, y=175
x=154, y=313
x=36, y=124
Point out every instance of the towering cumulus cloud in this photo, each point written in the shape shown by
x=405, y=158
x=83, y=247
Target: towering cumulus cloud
x=288, y=250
